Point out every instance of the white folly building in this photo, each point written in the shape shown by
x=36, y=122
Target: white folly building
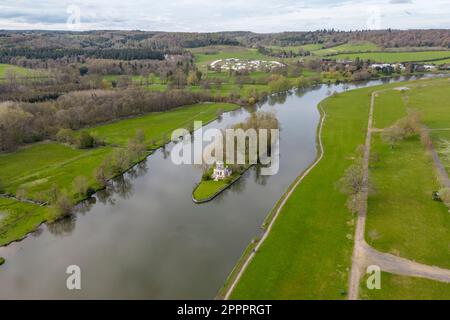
x=221, y=171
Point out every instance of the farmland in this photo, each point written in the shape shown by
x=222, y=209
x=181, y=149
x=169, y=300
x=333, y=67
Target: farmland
x=392, y=57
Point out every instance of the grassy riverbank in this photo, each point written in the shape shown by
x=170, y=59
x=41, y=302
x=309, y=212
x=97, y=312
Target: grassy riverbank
x=19, y=219
x=35, y=170
x=307, y=255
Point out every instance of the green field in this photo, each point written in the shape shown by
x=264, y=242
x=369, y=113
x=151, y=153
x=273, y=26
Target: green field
x=312, y=259
x=395, y=287
x=307, y=254
x=392, y=57
x=296, y=49
x=402, y=218
x=15, y=69
x=52, y=164
x=18, y=219
x=348, y=47
x=158, y=126
x=35, y=169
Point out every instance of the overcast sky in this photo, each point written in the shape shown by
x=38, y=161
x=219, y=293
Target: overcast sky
x=222, y=15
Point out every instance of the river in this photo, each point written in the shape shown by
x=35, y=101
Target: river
x=146, y=239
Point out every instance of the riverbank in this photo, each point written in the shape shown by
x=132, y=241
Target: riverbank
x=310, y=261
x=58, y=165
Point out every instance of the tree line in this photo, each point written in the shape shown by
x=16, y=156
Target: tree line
x=22, y=122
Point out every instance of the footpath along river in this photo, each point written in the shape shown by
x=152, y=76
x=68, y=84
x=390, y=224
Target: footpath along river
x=146, y=239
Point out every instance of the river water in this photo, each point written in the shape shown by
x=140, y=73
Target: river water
x=146, y=239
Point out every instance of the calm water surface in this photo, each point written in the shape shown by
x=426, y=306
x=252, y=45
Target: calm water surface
x=146, y=239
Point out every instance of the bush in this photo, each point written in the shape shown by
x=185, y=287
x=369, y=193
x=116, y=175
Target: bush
x=101, y=176
x=2, y=260
x=65, y=136
x=85, y=141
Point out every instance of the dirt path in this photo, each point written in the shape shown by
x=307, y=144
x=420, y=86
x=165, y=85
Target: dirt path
x=280, y=207
x=358, y=250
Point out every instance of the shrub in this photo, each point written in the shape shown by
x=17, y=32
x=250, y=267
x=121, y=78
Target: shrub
x=65, y=136
x=2, y=260
x=85, y=141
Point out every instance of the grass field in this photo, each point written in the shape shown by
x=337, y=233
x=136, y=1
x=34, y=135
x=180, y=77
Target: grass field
x=307, y=254
x=35, y=169
x=348, y=47
x=392, y=57
x=159, y=125
x=15, y=69
x=18, y=219
x=402, y=218
x=296, y=49
x=395, y=287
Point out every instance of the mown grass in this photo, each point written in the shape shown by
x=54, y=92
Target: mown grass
x=19, y=219
x=389, y=109
x=13, y=68
x=207, y=189
x=392, y=57
x=158, y=126
x=307, y=254
x=395, y=287
x=37, y=168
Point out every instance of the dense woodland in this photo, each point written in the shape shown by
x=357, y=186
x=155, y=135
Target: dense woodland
x=172, y=42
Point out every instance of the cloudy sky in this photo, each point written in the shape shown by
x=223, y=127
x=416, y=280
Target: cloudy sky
x=219, y=15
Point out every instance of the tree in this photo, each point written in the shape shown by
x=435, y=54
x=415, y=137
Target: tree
x=65, y=136
x=100, y=175
x=63, y=204
x=81, y=185
x=392, y=135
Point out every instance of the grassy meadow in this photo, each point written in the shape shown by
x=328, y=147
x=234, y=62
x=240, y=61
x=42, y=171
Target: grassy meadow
x=348, y=47
x=16, y=69
x=395, y=287
x=18, y=219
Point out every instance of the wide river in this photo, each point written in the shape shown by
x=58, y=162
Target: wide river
x=146, y=239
